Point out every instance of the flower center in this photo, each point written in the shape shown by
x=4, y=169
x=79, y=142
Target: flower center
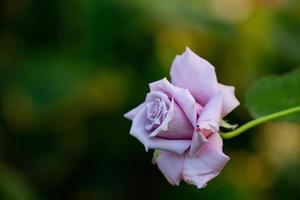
x=156, y=113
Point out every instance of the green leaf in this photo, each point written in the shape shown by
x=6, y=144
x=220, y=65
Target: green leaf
x=275, y=93
x=14, y=186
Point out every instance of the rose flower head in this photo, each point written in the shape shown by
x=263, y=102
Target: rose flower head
x=180, y=120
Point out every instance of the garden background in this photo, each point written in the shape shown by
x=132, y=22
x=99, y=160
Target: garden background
x=70, y=69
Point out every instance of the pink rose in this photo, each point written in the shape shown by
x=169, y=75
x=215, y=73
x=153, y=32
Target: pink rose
x=181, y=119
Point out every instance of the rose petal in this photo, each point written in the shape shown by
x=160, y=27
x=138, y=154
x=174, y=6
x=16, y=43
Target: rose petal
x=170, y=164
x=131, y=114
x=195, y=74
x=211, y=114
x=198, y=140
x=215, y=141
x=175, y=124
x=230, y=101
x=165, y=124
x=152, y=95
x=169, y=116
x=209, y=121
x=179, y=126
x=207, y=165
x=182, y=97
x=138, y=130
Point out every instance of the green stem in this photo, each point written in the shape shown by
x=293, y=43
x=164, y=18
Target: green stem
x=258, y=121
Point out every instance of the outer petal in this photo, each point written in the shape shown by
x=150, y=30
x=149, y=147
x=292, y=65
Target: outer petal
x=198, y=141
x=196, y=74
x=138, y=130
x=131, y=114
x=182, y=97
x=207, y=165
x=208, y=122
x=230, y=101
x=170, y=164
x=211, y=115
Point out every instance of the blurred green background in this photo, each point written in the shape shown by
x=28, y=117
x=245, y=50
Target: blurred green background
x=69, y=69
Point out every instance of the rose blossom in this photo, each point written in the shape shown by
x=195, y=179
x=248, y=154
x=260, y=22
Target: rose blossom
x=181, y=119
x=165, y=120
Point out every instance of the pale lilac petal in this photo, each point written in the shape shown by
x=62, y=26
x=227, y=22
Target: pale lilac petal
x=230, y=100
x=165, y=124
x=178, y=127
x=170, y=164
x=138, y=130
x=195, y=74
x=207, y=165
x=154, y=94
x=175, y=124
x=169, y=116
x=208, y=122
x=131, y=114
x=199, y=109
x=215, y=141
x=198, y=140
x=211, y=114
x=182, y=97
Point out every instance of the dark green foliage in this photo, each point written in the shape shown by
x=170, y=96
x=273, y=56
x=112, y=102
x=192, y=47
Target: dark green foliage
x=275, y=93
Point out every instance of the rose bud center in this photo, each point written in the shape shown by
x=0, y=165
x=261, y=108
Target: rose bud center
x=156, y=113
